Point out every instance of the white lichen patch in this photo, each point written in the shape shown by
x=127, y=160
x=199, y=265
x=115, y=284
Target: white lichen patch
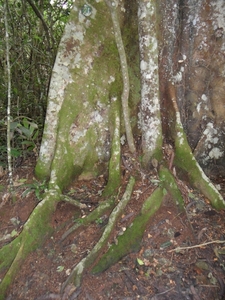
x=219, y=7
x=204, y=97
x=123, y=139
x=76, y=134
x=149, y=117
x=212, y=150
x=180, y=138
x=216, y=153
x=95, y=117
x=111, y=79
x=177, y=77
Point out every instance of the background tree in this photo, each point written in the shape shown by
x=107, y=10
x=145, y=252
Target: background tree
x=83, y=123
x=35, y=29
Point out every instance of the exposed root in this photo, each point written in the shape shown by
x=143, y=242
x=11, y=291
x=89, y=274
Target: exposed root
x=186, y=161
x=131, y=239
x=35, y=230
x=73, y=201
x=125, y=74
x=169, y=183
x=77, y=272
x=94, y=215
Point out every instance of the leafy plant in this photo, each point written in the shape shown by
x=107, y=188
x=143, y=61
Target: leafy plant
x=27, y=131
x=99, y=221
x=37, y=187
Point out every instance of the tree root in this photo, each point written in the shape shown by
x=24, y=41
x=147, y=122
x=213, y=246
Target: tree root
x=185, y=160
x=94, y=215
x=77, y=272
x=169, y=183
x=35, y=230
x=125, y=74
x=114, y=178
x=130, y=241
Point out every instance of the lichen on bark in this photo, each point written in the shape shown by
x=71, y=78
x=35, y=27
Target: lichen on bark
x=80, y=127
x=150, y=118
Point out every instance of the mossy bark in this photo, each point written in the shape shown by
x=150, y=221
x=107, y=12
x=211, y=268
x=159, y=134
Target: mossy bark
x=125, y=76
x=35, y=230
x=130, y=241
x=169, y=183
x=150, y=117
x=186, y=161
x=85, y=78
x=114, y=177
x=103, y=207
x=77, y=273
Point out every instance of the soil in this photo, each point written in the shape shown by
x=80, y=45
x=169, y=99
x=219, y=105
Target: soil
x=159, y=270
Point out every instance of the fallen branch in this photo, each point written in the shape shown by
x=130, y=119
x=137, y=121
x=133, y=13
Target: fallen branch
x=197, y=246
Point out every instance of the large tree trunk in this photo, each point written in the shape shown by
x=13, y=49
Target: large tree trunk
x=83, y=122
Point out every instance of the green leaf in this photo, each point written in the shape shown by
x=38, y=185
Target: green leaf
x=15, y=152
x=35, y=135
x=164, y=192
x=140, y=262
x=26, y=131
x=14, y=233
x=13, y=125
x=60, y=268
x=25, y=123
x=191, y=195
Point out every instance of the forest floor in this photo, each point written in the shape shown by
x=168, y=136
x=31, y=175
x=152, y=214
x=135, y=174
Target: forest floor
x=155, y=272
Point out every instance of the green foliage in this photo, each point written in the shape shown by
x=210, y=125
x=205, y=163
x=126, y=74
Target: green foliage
x=24, y=135
x=33, y=47
x=99, y=221
x=37, y=187
x=27, y=132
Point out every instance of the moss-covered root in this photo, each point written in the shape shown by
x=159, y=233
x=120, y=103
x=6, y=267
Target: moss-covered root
x=115, y=159
x=124, y=69
x=169, y=183
x=35, y=230
x=185, y=160
x=131, y=239
x=94, y=215
x=77, y=272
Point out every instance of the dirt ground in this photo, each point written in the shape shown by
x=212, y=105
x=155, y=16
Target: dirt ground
x=157, y=271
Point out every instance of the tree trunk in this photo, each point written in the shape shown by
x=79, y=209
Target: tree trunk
x=180, y=86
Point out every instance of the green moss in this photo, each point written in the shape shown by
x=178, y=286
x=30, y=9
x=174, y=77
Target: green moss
x=186, y=161
x=130, y=241
x=36, y=229
x=8, y=253
x=115, y=160
x=102, y=209
x=156, y=153
x=169, y=183
x=41, y=171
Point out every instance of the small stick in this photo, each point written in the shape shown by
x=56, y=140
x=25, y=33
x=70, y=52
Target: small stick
x=197, y=246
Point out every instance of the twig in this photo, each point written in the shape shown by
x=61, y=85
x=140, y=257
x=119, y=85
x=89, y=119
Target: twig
x=197, y=246
x=162, y=293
